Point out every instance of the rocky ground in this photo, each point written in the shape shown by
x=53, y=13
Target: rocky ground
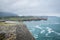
x=23, y=33
x=15, y=32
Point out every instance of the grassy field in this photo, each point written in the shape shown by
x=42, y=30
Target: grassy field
x=6, y=24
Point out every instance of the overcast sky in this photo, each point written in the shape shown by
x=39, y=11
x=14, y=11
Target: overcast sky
x=31, y=7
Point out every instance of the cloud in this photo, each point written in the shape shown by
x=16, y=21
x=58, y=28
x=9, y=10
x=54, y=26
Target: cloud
x=24, y=4
x=31, y=7
x=54, y=6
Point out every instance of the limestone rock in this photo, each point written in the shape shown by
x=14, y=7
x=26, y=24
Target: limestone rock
x=15, y=32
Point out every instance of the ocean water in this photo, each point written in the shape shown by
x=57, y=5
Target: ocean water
x=45, y=30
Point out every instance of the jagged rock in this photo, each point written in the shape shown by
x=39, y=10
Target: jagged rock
x=16, y=32
x=2, y=36
x=23, y=33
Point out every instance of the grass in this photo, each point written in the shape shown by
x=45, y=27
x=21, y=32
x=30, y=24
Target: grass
x=22, y=18
x=6, y=24
x=11, y=24
x=5, y=28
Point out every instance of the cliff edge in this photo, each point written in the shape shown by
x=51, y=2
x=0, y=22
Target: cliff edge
x=11, y=31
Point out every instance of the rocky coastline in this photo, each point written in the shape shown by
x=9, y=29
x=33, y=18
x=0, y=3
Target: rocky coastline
x=15, y=32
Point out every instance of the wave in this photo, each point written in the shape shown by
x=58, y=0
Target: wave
x=46, y=30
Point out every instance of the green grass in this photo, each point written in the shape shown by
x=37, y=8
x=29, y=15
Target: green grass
x=6, y=24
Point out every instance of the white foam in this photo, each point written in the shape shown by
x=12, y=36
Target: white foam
x=37, y=26
x=42, y=31
x=36, y=36
x=49, y=30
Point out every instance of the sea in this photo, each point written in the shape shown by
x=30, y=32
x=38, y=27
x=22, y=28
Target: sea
x=45, y=29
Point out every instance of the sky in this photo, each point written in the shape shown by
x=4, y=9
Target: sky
x=31, y=7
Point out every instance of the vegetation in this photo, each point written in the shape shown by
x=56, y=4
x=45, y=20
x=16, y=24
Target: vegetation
x=6, y=24
x=7, y=29
x=22, y=18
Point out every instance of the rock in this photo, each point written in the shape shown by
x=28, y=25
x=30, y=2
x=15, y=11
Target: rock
x=23, y=33
x=8, y=32
x=15, y=32
x=2, y=36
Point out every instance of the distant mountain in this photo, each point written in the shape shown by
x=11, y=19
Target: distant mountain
x=4, y=14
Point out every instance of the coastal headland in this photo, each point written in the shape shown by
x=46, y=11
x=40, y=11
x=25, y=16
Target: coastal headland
x=14, y=31
x=13, y=28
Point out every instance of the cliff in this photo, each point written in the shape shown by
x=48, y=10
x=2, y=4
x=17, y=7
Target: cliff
x=23, y=33
x=13, y=31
